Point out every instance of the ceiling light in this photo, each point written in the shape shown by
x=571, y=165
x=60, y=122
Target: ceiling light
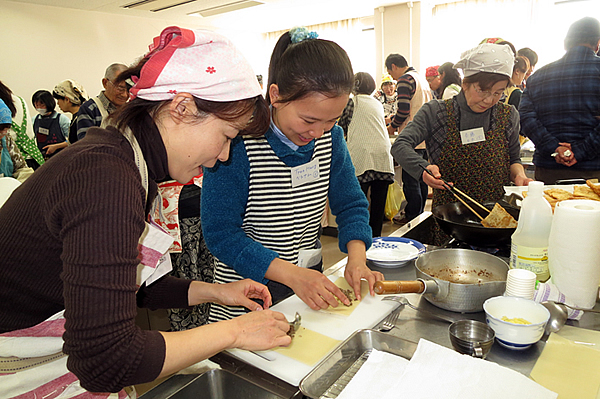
x=224, y=8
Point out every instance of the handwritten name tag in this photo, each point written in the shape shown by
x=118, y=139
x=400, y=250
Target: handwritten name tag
x=306, y=173
x=472, y=135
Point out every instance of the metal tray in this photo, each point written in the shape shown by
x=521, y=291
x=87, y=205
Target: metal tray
x=329, y=377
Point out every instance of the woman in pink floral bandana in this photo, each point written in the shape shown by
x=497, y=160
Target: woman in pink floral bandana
x=80, y=252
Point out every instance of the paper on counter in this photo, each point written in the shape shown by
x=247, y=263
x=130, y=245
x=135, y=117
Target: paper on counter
x=570, y=367
x=438, y=372
x=377, y=374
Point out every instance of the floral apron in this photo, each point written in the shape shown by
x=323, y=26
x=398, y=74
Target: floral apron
x=32, y=364
x=479, y=169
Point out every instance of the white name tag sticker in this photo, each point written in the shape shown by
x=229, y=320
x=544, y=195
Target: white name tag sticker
x=472, y=135
x=306, y=173
x=43, y=130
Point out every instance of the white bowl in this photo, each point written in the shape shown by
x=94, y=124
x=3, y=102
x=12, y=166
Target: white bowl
x=511, y=335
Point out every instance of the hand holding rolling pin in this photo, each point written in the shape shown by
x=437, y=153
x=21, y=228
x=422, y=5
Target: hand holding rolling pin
x=564, y=155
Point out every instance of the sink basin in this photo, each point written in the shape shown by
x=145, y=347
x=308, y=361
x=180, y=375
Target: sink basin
x=216, y=383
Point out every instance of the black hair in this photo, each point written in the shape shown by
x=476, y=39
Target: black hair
x=311, y=66
x=509, y=44
x=134, y=114
x=449, y=76
x=521, y=64
x=529, y=54
x=6, y=96
x=363, y=83
x=486, y=80
x=395, y=59
x=585, y=31
x=44, y=97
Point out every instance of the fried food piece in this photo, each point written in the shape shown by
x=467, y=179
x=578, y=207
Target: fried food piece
x=594, y=186
x=499, y=218
x=559, y=194
x=586, y=192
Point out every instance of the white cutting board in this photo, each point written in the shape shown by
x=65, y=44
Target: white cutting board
x=367, y=314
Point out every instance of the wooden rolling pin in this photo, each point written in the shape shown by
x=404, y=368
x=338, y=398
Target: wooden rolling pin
x=399, y=287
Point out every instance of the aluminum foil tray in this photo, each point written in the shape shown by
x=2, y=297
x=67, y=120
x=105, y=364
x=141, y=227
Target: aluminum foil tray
x=331, y=376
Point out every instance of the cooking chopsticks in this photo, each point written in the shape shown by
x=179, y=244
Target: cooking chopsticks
x=455, y=191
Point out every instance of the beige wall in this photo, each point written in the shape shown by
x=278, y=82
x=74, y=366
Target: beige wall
x=44, y=45
x=398, y=30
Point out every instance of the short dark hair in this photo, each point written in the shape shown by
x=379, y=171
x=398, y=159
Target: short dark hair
x=6, y=96
x=44, y=97
x=395, y=59
x=310, y=66
x=585, y=31
x=134, y=114
x=521, y=64
x=363, y=83
x=486, y=80
x=529, y=54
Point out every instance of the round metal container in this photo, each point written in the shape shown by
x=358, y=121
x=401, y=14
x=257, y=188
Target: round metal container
x=460, y=280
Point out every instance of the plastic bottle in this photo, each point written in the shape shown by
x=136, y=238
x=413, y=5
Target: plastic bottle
x=529, y=245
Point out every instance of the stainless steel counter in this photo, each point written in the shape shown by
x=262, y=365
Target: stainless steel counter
x=411, y=325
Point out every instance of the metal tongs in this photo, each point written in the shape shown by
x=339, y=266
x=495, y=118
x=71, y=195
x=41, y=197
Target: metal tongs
x=455, y=191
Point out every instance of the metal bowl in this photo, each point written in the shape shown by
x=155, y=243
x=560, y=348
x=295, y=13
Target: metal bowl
x=471, y=337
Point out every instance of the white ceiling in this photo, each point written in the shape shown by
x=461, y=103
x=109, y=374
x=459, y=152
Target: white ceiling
x=270, y=16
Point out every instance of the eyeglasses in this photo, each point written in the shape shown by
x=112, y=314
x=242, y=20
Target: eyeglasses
x=120, y=89
x=485, y=94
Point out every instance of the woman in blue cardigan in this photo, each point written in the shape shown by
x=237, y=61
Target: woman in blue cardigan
x=263, y=208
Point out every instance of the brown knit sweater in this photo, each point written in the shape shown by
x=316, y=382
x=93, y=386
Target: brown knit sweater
x=68, y=240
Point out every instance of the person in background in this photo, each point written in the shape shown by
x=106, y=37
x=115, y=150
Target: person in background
x=51, y=128
x=21, y=131
x=96, y=110
x=69, y=96
x=512, y=94
x=472, y=139
x=560, y=106
x=387, y=96
x=533, y=59
x=12, y=163
x=71, y=243
x=262, y=209
x=413, y=91
x=451, y=80
x=433, y=78
x=369, y=146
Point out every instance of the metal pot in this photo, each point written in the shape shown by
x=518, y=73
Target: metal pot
x=459, y=280
x=456, y=220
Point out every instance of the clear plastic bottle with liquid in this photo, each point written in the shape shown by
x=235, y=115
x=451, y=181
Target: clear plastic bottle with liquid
x=529, y=244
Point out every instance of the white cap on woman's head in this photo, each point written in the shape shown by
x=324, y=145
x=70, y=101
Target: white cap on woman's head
x=200, y=62
x=487, y=57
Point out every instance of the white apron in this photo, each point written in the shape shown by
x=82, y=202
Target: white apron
x=32, y=364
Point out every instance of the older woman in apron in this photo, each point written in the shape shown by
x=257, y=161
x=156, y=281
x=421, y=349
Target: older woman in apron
x=79, y=250
x=472, y=140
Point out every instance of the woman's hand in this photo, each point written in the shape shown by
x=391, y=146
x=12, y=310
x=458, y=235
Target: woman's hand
x=316, y=290
x=260, y=330
x=435, y=180
x=356, y=268
x=357, y=271
x=237, y=293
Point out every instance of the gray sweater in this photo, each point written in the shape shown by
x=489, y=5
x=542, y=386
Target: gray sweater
x=430, y=124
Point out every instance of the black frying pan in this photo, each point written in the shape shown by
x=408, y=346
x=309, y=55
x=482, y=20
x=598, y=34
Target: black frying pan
x=458, y=221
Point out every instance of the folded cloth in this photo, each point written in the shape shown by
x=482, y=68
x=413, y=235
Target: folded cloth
x=550, y=292
x=438, y=372
x=380, y=370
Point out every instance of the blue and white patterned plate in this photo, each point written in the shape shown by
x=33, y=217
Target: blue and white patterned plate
x=391, y=252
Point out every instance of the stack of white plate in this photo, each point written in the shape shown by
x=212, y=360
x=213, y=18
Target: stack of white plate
x=391, y=252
